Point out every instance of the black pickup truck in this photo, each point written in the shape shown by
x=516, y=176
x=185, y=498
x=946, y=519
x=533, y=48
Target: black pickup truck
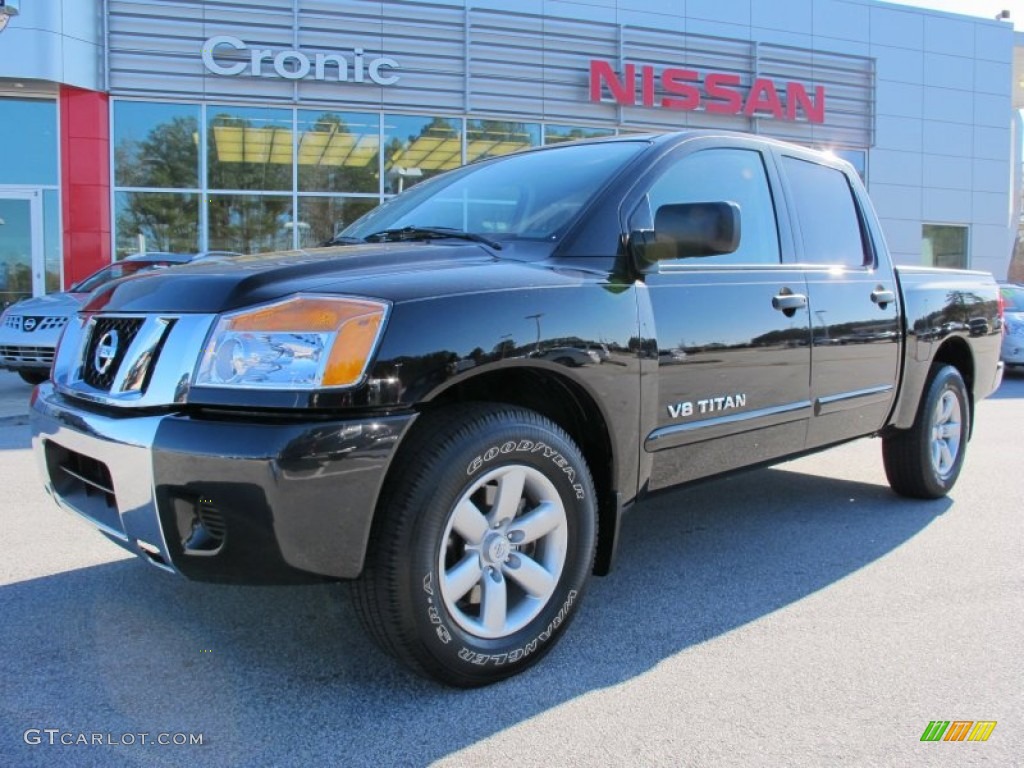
x=452, y=403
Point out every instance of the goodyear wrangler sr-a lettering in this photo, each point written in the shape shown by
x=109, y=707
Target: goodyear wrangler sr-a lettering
x=452, y=404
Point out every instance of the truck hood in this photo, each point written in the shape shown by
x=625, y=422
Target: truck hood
x=393, y=271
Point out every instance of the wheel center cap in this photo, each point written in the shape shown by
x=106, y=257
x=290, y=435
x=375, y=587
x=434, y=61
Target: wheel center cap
x=497, y=548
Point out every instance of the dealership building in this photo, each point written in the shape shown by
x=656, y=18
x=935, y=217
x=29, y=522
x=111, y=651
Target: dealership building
x=243, y=125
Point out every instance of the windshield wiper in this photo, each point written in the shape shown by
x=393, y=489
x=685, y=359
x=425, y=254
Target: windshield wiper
x=342, y=240
x=428, y=233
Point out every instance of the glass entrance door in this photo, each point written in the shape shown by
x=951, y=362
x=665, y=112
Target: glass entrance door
x=22, y=271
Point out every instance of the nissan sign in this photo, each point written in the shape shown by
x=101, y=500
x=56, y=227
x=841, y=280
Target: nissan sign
x=714, y=92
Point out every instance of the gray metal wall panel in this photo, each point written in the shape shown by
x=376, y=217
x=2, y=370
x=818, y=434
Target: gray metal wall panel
x=453, y=59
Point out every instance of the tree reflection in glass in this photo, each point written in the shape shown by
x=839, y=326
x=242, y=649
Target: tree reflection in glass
x=156, y=145
x=250, y=223
x=490, y=138
x=156, y=221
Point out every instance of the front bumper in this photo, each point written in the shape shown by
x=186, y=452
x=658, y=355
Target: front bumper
x=28, y=351
x=217, y=498
x=23, y=357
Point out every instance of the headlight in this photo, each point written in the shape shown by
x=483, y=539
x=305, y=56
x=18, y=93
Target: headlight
x=304, y=342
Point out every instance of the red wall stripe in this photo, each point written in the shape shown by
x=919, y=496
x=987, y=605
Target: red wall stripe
x=85, y=181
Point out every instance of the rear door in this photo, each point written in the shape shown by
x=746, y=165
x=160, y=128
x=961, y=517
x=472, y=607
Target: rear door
x=733, y=330
x=854, y=301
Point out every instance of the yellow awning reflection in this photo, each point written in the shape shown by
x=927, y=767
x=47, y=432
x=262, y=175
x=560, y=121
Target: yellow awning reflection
x=237, y=144
x=430, y=153
x=334, y=148
x=491, y=148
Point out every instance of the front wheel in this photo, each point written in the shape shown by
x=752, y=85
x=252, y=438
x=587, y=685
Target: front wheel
x=924, y=461
x=33, y=377
x=482, y=545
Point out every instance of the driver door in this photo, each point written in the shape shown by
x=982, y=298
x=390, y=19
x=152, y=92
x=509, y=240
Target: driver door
x=733, y=330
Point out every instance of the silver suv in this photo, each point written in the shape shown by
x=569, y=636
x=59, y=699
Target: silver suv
x=30, y=328
x=1013, y=333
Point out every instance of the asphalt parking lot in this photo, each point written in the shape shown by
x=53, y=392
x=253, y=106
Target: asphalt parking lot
x=798, y=615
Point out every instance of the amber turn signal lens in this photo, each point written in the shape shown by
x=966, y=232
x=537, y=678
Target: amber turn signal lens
x=304, y=315
x=352, y=349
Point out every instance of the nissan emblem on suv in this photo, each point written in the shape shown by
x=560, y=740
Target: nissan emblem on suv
x=106, y=350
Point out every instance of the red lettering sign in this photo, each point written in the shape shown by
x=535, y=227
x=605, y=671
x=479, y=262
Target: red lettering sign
x=715, y=92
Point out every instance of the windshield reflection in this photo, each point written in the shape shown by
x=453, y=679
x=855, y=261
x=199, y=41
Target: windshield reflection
x=534, y=195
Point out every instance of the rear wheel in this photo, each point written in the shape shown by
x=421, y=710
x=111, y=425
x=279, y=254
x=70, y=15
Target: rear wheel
x=482, y=545
x=924, y=461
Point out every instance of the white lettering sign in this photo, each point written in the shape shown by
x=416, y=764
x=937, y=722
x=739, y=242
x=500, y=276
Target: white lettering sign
x=295, y=65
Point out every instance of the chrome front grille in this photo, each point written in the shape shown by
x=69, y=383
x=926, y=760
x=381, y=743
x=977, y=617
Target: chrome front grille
x=19, y=353
x=29, y=323
x=109, y=342
x=45, y=323
x=149, y=365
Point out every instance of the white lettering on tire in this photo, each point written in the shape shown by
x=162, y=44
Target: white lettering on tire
x=499, y=659
x=528, y=446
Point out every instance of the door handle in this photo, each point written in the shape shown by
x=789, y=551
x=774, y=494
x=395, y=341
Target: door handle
x=881, y=297
x=789, y=302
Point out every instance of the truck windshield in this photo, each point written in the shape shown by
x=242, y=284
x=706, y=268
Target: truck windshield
x=533, y=195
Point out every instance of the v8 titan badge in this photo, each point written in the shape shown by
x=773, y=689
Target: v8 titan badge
x=708, y=405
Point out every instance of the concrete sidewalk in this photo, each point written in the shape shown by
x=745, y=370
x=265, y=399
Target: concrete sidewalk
x=14, y=394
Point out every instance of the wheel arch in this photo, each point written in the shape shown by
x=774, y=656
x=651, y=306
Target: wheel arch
x=568, y=404
x=957, y=353
x=954, y=351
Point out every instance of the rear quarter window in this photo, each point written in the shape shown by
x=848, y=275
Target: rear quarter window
x=830, y=226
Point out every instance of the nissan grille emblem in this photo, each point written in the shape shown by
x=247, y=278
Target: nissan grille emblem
x=106, y=350
x=30, y=324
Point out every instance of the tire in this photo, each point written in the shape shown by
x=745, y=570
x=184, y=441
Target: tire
x=924, y=462
x=33, y=377
x=482, y=544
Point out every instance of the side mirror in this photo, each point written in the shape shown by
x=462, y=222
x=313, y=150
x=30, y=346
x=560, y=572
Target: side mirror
x=686, y=230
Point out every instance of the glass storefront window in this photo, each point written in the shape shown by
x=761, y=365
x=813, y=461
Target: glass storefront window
x=32, y=159
x=15, y=250
x=339, y=152
x=321, y=218
x=556, y=133
x=52, y=245
x=416, y=148
x=250, y=223
x=155, y=221
x=156, y=145
x=489, y=138
x=249, y=148
x=944, y=245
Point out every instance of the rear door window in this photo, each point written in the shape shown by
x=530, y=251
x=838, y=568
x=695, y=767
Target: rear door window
x=830, y=227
